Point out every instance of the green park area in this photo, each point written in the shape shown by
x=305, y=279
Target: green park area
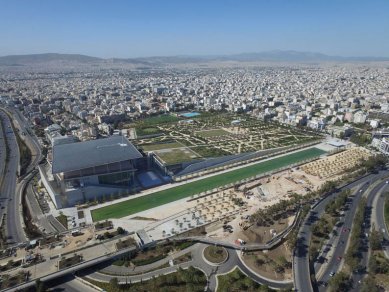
x=237, y=281
x=160, y=146
x=156, y=199
x=212, y=133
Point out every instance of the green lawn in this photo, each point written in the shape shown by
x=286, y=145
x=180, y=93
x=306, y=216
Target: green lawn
x=147, y=131
x=176, y=155
x=212, y=133
x=151, y=121
x=156, y=199
x=160, y=146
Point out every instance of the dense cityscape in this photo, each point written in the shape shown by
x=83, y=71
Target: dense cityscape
x=179, y=149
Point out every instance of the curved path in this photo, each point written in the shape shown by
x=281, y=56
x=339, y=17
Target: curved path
x=378, y=218
x=198, y=262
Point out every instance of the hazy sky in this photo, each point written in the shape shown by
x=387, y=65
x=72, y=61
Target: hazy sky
x=169, y=27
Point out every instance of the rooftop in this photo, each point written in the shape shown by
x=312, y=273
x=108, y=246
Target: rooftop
x=81, y=155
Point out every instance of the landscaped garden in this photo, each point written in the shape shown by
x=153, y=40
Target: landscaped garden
x=210, y=135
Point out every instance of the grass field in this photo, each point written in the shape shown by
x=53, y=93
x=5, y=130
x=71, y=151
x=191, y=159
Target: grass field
x=152, y=147
x=176, y=155
x=212, y=133
x=156, y=199
x=159, y=120
x=147, y=131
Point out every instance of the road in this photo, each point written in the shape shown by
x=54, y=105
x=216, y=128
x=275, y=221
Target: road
x=358, y=276
x=10, y=198
x=335, y=262
x=378, y=217
x=3, y=151
x=197, y=261
x=301, y=264
x=29, y=137
x=69, y=284
x=11, y=191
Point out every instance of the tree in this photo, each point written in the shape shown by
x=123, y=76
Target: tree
x=369, y=285
x=373, y=265
x=375, y=239
x=114, y=284
x=340, y=282
x=120, y=230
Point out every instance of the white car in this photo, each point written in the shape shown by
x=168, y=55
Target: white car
x=332, y=274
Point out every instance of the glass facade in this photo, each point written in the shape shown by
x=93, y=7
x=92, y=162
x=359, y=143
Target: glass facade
x=120, y=178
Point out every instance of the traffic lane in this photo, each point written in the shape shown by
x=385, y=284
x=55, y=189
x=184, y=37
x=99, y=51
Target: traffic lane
x=359, y=274
x=8, y=189
x=343, y=232
x=380, y=220
x=340, y=249
x=68, y=284
x=249, y=273
x=301, y=257
x=334, y=240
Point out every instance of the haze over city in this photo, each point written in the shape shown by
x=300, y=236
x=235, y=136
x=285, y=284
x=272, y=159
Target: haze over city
x=127, y=29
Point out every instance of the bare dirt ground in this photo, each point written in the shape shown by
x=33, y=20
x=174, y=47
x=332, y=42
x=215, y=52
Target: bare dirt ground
x=268, y=262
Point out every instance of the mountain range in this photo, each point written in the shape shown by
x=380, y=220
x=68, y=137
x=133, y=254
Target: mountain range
x=271, y=56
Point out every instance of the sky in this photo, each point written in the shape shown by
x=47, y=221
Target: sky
x=141, y=28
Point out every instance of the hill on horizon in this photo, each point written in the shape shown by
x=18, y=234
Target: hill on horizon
x=272, y=56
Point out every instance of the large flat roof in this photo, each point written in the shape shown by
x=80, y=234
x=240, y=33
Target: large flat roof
x=80, y=155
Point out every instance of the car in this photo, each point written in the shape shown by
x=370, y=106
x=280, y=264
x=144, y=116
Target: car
x=387, y=182
x=339, y=258
x=332, y=274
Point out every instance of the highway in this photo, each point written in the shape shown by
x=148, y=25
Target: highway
x=29, y=137
x=358, y=276
x=336, y=261
x=11, y=191
x=378, y=218
x=10, y=199
x=301, y=265
x=334, y=264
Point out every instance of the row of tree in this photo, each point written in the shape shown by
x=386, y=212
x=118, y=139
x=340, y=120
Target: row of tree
x=353, y=254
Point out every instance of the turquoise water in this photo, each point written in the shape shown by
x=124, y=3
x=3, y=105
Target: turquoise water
x=190, y=115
